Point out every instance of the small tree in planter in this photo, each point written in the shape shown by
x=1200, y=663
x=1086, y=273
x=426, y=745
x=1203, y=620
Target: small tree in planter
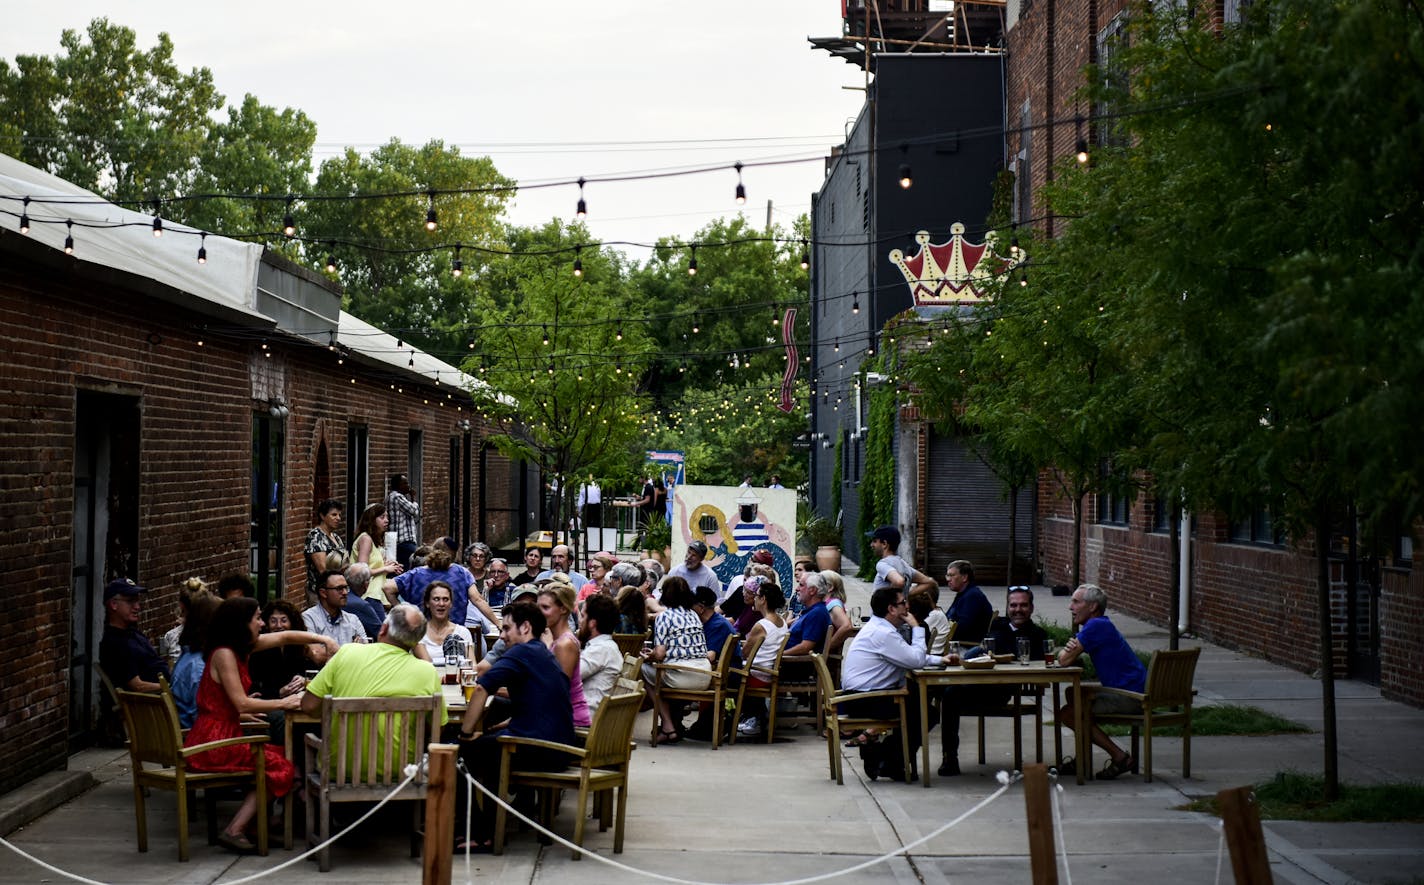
x=657, y=538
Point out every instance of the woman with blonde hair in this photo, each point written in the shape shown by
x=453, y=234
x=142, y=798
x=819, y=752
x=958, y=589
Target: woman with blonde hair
x=556, y=603
x=841, y=625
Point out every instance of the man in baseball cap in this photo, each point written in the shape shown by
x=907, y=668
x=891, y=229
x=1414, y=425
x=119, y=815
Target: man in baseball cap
x=125, y=654
x=892, y=570
x=694, y=571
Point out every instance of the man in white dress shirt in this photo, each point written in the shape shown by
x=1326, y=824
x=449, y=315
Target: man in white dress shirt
x=878, y=660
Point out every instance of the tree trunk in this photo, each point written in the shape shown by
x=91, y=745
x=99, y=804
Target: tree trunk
x=1013, y=532
x=1327, y=652
x=1174, y=582
x=1077, y=570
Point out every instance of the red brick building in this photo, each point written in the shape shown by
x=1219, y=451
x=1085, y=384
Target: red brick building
x=163, y=419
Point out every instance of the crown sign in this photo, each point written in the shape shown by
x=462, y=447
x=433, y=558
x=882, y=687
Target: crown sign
x=955, y=271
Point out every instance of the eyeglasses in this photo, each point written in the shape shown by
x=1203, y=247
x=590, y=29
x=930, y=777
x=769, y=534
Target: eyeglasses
x=899, y=603
x=1018, y=587
x=342, y=588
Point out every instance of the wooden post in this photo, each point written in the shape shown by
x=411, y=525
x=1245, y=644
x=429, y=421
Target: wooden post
x=437, y=859
x=1038, y=804
x=1241, y=821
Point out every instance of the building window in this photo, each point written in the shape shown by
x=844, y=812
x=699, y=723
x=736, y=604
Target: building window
x=358, y=476
x=1113, y=509
x=1257, y=528
x=1232, y=9
x=1161, y=514
x=1111, y=41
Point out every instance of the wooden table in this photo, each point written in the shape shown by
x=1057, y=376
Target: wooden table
x=1036, y=673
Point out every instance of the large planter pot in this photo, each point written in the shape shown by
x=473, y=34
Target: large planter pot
x=828, y=559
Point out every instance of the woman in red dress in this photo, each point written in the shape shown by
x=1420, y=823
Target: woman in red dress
x=234, y=633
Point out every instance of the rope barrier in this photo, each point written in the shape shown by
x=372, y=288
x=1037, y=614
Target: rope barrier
x=1062, y=841
x=1005, y=780
x=410, y=773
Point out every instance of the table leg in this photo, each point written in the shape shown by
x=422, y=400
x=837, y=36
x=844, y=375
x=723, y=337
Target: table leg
x=1082, y=741
x=924, y=733
x=1057, y=725
x=287, y=800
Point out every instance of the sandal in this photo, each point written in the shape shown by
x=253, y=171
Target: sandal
x=1068, y=767
x=863, y=738
x=668, y=737
x=1113, y=769
x=473, y=847
x=237, y=843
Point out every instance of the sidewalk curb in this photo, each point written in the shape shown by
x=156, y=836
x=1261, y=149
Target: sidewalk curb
x=40, y=796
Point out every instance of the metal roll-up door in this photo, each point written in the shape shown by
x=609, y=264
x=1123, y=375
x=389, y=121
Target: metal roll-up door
x=967, y=516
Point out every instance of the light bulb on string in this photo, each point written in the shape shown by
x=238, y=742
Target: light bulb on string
x=692, y=263
x=289, y=224
x=741, y=197
x=578, y=261
x=618, y=335
x=581, y=212
x=457, y=266
x=546, y=334
x=411, y=364
x=69, y=237
x=431, y=223
x=906, y=178
x=551, y=368
x=331, y=257
x=203, y=247
x=837, y=345
x=696, y=328
x=25, y=217
x=855, y=303
x=157, y=221
x=1082, y=147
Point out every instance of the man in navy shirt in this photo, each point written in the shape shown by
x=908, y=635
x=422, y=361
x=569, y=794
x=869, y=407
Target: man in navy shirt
x=971, y=609
x=808, y=632
x=1117, y=665
x=539, y=707
x=716, y=629
x=125, y=654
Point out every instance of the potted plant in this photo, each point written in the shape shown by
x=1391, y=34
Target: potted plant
x=825, y=535
x=657, y=538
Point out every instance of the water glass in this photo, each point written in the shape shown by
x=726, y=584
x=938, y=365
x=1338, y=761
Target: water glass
x=1023, y=650
x=952, y=648
x=1048, y=656
x=988, y=644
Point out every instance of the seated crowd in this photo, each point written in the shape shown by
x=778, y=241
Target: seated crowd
x=374, y=627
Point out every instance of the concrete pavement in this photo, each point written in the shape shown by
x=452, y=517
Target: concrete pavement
x=755, y=813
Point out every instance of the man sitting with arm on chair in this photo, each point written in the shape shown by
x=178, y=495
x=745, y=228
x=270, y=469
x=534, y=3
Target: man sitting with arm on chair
x=1117, y=666
x=538, y=707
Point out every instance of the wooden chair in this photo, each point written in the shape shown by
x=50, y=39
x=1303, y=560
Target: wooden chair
x=360, y=756
x=155, y=738
x=603, y=765
x=835, y=721
x=714, y=693
x=772, y=676
x=1167, y=701
x=630, y=643
x=630, y=676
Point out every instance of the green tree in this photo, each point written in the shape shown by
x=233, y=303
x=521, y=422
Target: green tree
x=1258, y=246
x=563, y=383
x=107, y=115
x=397, y=274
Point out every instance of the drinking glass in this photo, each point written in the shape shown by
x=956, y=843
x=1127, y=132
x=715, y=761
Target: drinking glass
x=988, y=644
x=953, y=649
x=1048, y=656
x=1023, y=649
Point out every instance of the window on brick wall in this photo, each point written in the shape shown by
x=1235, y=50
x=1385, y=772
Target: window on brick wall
x=1161, y=514
x=1113, y=508
x=1257, y=528
x=358, y=474
x=1111, y=41
x=1232, y=10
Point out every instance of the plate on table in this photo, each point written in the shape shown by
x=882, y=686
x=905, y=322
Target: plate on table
x=1004, y=659
x=984, y=663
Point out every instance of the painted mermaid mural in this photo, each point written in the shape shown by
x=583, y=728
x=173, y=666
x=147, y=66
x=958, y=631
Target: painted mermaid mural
x=735, y=523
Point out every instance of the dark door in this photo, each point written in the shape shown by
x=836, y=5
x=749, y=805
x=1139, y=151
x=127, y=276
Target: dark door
x=268, y=447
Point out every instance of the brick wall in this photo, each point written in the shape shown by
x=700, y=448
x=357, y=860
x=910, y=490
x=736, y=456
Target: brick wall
x=63, y=334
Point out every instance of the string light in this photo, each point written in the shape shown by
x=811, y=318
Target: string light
x=582, y=211
x=157, y=221
x=203, y=248
x=331, y=257
x=457, y=267
x=741, y=189
x=430, y=223
x=1082, y=147
x=578, y=262
x=805, y=255
x=855, y=303
x=69, y=237
x=692, y=265
x=906, y=179
x=411, y=364
x=546, y=334
x=289, y=224
x=837, y=346
x=618, y=335
x=25, y=217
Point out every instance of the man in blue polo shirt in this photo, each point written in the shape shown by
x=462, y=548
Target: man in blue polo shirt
x=1117, y=665
x=808, y=631
x=538, y=707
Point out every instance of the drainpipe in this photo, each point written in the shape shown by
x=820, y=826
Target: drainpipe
x=1184, y=569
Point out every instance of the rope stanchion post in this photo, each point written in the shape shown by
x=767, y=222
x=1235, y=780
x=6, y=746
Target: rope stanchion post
x=1038, y=805
x=437, y=859
x=1241, y=822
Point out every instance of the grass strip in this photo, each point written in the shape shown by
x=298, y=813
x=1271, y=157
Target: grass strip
x=1292, y=795
x=1225, y=719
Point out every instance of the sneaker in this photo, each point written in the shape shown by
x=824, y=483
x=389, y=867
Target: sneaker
x=949, y=767
x=749, y=728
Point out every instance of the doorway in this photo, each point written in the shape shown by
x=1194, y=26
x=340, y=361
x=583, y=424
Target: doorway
x=269, y=445
x=105, y=546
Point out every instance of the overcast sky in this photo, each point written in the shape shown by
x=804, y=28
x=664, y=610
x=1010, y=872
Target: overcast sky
x=532, y=85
